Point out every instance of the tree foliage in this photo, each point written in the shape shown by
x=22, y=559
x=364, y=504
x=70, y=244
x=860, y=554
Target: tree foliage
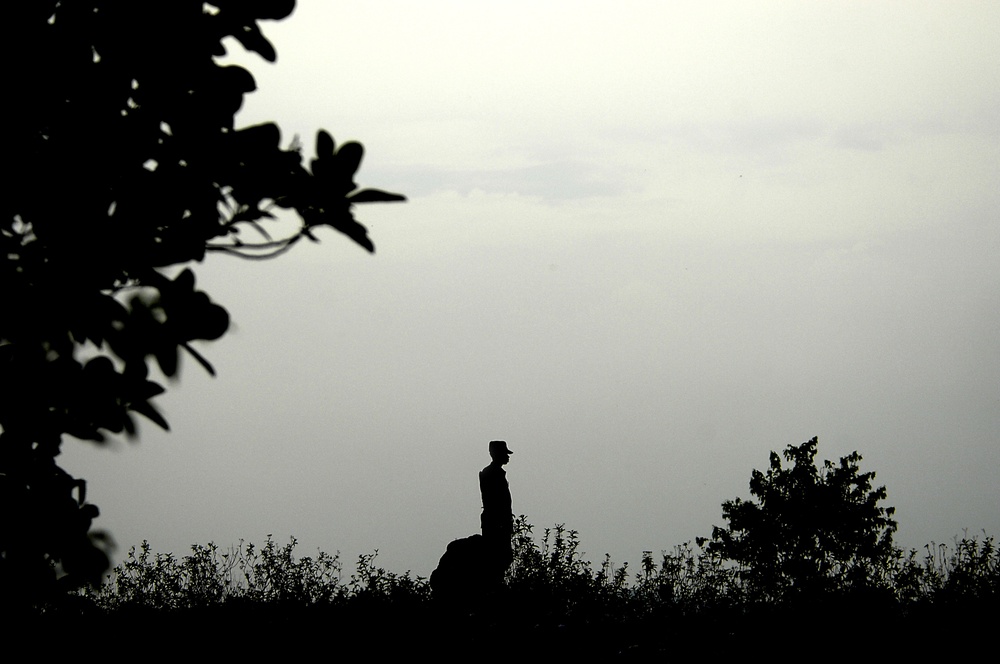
x=812, y=529
x=126, y=161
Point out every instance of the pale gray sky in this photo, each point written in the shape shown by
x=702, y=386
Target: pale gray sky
x=646, y=243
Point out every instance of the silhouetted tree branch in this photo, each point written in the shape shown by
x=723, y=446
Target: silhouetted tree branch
x=125, y=160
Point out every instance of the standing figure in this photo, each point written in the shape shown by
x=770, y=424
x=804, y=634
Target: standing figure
x=497, y=518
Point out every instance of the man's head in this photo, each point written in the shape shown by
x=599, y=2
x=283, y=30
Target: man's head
x=499, y=451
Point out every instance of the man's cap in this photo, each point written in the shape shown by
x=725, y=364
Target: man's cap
x=498, y=447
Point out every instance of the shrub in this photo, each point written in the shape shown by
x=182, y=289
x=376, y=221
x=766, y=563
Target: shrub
x=559, y=580
x=686, y=582
x=210, y=577
x=812, y=531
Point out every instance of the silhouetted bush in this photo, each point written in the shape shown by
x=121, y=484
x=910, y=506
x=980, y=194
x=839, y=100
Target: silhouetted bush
x=557, y=583
x=813, y=531
x=270, y=574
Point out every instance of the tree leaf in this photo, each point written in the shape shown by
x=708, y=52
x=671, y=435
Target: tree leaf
x=374, y=196
x=150, y=412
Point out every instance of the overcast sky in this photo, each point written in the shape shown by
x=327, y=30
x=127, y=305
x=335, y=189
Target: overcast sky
x=646, y=243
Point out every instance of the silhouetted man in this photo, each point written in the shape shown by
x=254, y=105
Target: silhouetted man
x=497, y=518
